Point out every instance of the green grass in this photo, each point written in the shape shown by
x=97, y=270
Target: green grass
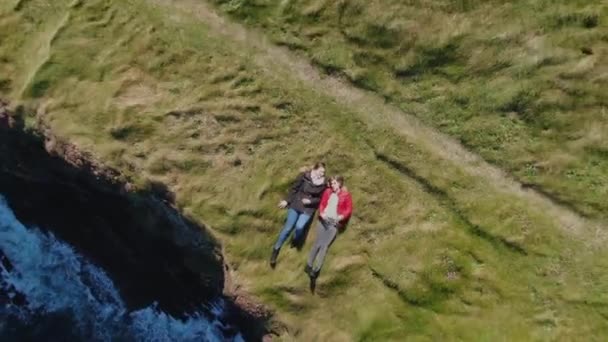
x=522, y=83
x=432, y=253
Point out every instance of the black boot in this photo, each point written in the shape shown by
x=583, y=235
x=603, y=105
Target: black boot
x=313, y=280
x=273, y=257
x=308, y=270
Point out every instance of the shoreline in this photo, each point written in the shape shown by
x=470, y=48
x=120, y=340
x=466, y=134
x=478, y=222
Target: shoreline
x=146, y=245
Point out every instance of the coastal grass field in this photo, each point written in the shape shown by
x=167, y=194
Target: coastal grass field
x=523, y=83
x=434, y=250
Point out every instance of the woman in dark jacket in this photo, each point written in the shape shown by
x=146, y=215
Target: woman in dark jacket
x=302, y=202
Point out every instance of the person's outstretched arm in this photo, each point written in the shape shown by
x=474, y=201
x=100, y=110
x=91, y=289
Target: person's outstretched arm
x=323, y=202
x=295, y=187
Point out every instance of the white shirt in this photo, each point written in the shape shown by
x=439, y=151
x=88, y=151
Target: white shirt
x=331, y=211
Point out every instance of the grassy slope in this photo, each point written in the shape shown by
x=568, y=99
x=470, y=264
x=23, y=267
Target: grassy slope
x=520, y=82
x=151, y=91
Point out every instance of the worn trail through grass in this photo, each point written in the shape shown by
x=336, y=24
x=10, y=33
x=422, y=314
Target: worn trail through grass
x=442, y=246
x=374, y=110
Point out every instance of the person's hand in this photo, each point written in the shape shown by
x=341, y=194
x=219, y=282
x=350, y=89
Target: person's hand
x=340, y=218
x=283, y=204
x=306, y=201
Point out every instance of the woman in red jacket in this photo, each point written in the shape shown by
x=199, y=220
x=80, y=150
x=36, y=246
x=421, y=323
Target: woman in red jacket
x=335, y=209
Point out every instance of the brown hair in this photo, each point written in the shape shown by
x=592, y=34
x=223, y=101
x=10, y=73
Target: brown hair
x=314, y=166
x=318, y=165
x=339, y=179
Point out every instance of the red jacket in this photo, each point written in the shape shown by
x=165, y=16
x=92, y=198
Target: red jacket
x=345, y=204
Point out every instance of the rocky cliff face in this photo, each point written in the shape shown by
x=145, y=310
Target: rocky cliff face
x=151, y=252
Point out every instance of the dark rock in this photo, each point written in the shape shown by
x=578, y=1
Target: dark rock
x=151, y=252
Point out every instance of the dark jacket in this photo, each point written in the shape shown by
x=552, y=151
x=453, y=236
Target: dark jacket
x=302, y=188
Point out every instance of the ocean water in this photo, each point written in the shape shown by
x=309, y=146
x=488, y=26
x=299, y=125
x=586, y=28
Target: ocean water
x=49, y=292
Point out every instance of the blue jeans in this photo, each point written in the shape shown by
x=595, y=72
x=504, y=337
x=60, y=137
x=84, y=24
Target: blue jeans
x=294, y=218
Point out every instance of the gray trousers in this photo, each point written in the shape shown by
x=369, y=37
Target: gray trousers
x=326, y=234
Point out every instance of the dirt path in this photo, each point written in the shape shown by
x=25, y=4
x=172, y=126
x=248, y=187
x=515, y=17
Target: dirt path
x=375, y=111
